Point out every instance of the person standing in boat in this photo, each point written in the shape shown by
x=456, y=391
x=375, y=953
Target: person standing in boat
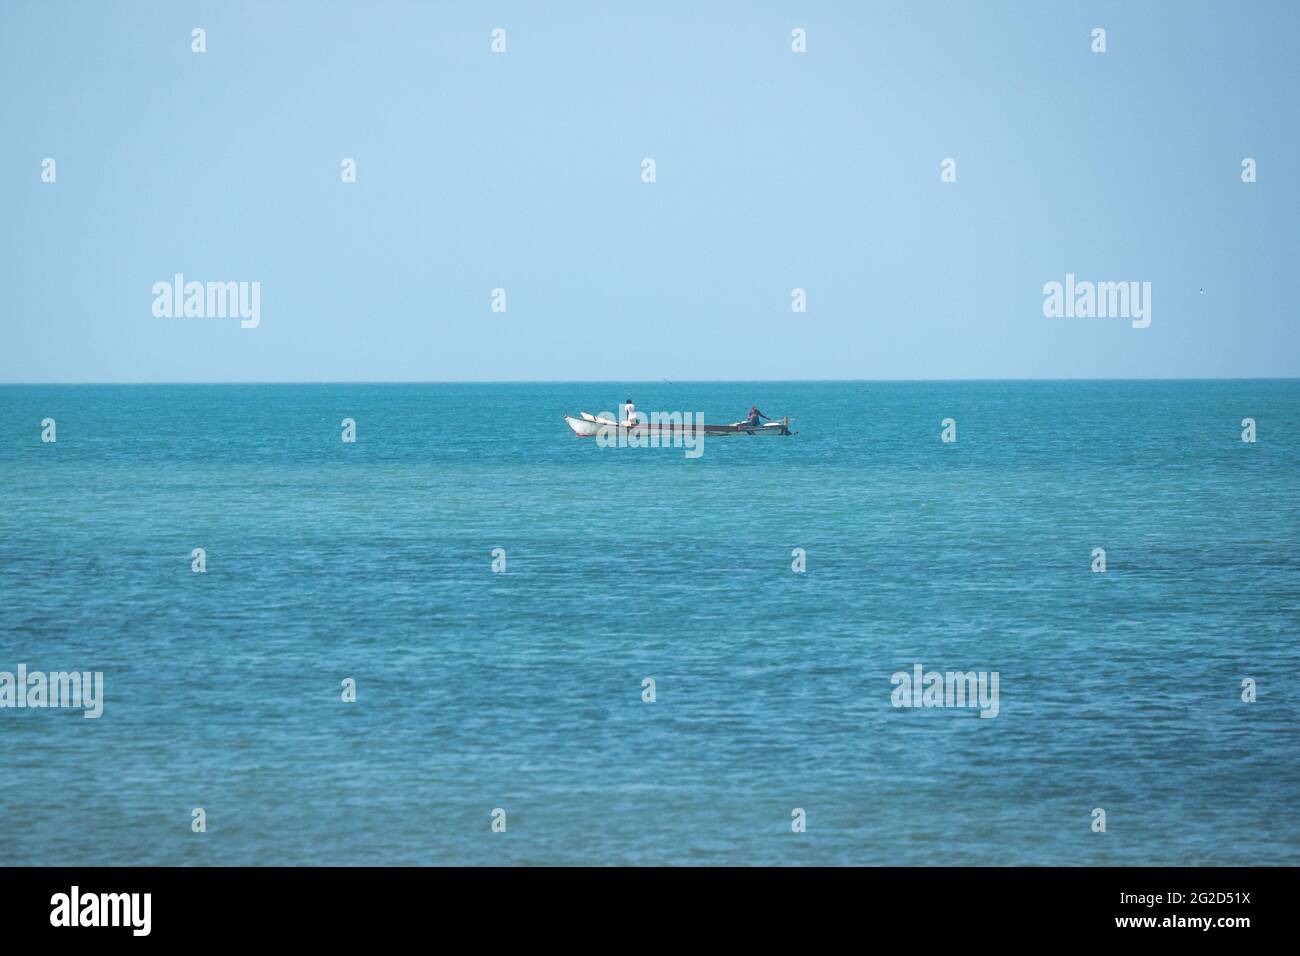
x=754, y=416
x=628, y=415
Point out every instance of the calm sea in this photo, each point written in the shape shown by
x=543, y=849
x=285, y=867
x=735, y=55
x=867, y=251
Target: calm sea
x=523, y=690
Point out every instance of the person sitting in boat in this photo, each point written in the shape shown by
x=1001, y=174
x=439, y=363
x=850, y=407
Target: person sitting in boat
x=629, y=413
x=754, y=416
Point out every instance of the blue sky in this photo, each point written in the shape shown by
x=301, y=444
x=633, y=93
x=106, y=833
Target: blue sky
x=775, y=170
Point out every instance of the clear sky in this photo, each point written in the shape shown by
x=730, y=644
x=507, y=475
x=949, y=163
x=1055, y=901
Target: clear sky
x=522, y=170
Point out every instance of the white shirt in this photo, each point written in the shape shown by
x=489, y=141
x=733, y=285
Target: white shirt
x=629, y=413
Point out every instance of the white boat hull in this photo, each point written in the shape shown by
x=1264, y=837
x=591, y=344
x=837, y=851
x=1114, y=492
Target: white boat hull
x=590, y=427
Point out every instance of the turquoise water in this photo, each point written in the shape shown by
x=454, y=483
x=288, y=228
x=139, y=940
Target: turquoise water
x=522, y=690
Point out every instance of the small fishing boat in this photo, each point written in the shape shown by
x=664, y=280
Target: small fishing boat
x=589, y=426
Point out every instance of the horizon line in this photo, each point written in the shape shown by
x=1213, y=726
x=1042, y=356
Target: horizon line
x=637, y=381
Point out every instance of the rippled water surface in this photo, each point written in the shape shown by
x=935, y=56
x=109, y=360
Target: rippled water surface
x=523, y=690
